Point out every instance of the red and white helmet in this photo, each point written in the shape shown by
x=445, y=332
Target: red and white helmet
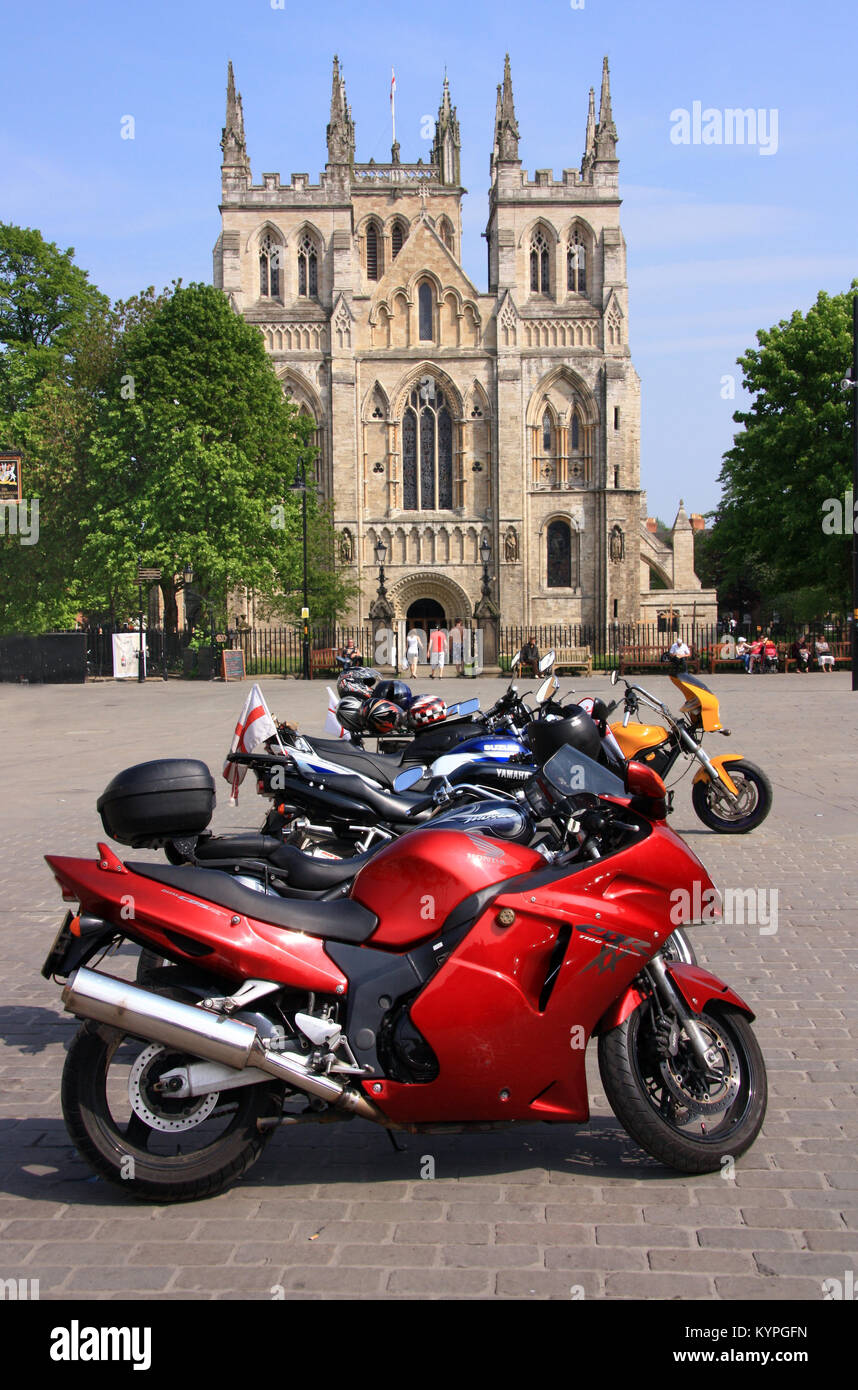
x=427, y=709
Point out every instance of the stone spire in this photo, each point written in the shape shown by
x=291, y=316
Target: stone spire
x=506, y=133
x=494, y=158
x=590, y=138
x=341, y=127
x=447, y=147
x=235, y=160
x=606, y=131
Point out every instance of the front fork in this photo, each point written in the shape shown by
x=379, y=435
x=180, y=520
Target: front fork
x=670, y=998
x=718, y=775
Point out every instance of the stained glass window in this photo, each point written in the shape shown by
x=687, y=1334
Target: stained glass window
x=307, y=272
x=424, y=305
x=427, y=484
x=576, y=431
x=546, y=432
x=559, y=555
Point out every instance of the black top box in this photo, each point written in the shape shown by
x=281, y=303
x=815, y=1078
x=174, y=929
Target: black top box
x=150, y=803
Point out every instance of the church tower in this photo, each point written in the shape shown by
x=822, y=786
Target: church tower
x=567, y=393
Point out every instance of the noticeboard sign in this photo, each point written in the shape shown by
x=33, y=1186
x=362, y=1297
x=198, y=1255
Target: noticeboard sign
x=10, y=476
x=232, y=663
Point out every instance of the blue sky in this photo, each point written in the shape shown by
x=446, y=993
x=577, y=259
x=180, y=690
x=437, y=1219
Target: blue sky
x=722, y=239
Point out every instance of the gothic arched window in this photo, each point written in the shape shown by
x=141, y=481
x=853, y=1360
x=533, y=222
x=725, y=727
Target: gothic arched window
x=427, y=450
x=540, y=280
x=308, y=280
x=576, y=264
x=559, y=555
x=424, y=311
x=576, y=430
x=546, y=432
x=373, y=258
x=397, y=237
x=445, y=231
x=269, y=267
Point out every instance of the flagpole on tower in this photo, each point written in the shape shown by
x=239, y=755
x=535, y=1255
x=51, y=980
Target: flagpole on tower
x=395, y=148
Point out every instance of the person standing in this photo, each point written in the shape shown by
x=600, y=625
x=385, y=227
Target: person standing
x=457, y=640
x=412, y=651
x=437, y=652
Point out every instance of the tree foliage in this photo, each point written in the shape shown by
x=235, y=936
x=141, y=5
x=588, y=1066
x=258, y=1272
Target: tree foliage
x=793, y=453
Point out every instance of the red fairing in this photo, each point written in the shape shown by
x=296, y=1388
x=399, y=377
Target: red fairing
x=147, y=911
x=698, y=987
x=416, y=882
x=506, y=1051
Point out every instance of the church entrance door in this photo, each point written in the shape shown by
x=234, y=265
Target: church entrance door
x=425, y=614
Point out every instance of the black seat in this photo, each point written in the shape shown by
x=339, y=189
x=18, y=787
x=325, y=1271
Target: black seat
x=342, y=920
x=413, y=807
x=383, y=767
x=300, y=870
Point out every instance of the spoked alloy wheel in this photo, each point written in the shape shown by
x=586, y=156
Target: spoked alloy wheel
x=729, y=817
x=153, y=1145
x=678, y=1113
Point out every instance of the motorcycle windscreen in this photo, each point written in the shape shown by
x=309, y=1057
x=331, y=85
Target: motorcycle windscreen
x=571, y=772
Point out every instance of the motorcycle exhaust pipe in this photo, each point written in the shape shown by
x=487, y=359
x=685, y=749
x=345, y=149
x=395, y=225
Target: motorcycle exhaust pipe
x=212, y=1037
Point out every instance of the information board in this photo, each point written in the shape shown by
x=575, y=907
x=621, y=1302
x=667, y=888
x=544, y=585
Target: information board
x=233, y=665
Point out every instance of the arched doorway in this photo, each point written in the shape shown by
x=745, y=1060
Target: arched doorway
x=425, y=614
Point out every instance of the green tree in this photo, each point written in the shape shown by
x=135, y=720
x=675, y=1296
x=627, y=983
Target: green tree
x=192, y=461
x=794, y=453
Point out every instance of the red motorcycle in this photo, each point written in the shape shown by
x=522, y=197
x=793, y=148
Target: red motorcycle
x=456, y=987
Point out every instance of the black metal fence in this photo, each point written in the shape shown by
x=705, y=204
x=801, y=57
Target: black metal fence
x=278, y=651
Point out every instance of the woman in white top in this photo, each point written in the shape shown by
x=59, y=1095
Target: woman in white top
x=412, y=652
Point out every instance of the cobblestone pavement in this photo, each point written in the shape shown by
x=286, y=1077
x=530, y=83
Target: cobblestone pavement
x=531, y=1213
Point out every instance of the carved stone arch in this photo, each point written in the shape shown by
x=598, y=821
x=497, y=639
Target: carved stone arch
x=429, y=584
x=421, y=275
x=477, y=398
x=303, y=392
x=399, y=397
x=574, y=520
x=446, y=231
x=375, y=398
x=584, y=396
x=581, y=222
x=542, y=224
x=305, y=228
x=253, y=240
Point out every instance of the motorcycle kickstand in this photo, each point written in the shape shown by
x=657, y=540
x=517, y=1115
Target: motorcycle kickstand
x=397, y=1148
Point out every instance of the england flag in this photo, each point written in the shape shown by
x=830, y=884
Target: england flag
x=255, y=724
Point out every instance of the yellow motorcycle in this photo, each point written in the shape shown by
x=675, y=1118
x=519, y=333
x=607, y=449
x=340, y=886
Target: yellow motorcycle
x=729, y=793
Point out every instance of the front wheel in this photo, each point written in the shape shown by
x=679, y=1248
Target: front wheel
x=153, y=1146
x=686, y=1118
x=729, y=817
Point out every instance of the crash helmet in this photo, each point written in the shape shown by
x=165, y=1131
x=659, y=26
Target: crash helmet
x=349, y=713
x=381, y=716
x=577, y=731
x=427, y=709
x=397, y=691
x=358, y=681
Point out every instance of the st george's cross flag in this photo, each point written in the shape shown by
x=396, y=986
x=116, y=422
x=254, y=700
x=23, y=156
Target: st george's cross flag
x=255, y=723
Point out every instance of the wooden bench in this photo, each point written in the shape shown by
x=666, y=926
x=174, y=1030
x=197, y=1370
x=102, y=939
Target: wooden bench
x=322, y=660
x=575, y=660
x=645, y=656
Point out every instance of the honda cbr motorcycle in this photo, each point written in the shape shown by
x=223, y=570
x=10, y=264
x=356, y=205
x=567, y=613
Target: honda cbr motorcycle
x=457, y=987
x=729, y=793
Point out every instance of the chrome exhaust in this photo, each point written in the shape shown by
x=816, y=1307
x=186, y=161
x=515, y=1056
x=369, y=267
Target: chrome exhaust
x=213, y=1037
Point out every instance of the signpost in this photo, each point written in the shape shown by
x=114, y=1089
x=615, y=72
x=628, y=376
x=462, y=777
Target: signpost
x=233, y=664
x=10, y=476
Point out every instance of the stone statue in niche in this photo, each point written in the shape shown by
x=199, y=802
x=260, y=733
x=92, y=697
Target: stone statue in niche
x=618, y=544
x=346, y=548
x=511, y=546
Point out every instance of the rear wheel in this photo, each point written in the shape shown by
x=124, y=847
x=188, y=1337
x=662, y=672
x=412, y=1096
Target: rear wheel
x=685, y=1117
x=154, y=1146
x=717, y=811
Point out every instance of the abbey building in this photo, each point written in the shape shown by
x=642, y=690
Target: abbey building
x=446, y=415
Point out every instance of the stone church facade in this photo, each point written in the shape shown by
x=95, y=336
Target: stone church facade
x=446, y=415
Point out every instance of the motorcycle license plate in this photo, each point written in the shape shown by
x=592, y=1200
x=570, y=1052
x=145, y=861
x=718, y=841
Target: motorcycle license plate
x=57, y=954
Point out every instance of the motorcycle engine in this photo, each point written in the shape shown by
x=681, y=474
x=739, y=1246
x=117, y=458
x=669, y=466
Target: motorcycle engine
x=403, y=1051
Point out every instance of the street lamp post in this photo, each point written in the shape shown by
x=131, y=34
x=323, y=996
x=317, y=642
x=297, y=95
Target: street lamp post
x=486, y=612
x=141, y=673
x=485, y=556
x=381, y=609
x=301, y=486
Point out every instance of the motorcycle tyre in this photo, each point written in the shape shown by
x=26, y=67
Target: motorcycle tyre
x=726, y=826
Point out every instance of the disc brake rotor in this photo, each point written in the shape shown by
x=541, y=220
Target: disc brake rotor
x=156, y=1109
x=698, y=1093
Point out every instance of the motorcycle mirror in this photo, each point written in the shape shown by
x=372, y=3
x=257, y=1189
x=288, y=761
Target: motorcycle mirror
x=549, y=687
x=615, y=676
x=547, y=661
x=514, y=661
x=645, y=783
x=407, y=778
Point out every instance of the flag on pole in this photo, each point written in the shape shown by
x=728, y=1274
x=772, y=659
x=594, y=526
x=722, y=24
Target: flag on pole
x=332, y=723
x=392, y=85
x=255, y=723
x=393, y=103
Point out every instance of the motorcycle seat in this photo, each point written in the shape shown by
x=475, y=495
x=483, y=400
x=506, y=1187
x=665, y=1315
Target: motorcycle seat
x=341, y=920
x=413, y=807
x=301, y=870
x=382, y=767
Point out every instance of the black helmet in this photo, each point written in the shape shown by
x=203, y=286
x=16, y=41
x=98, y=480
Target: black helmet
x=349, y=712
x=381, y=716
x=577, y=731
x=397, y=691
x=359, y=681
